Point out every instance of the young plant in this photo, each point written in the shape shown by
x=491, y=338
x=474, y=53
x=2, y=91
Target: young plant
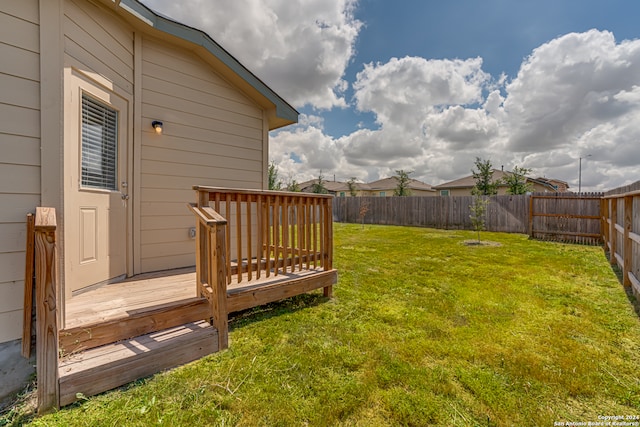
x=478, y=213
x=364, y=208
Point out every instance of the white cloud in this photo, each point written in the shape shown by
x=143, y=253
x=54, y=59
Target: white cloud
x=578, y=94
x=300, y=49
x=570, y=85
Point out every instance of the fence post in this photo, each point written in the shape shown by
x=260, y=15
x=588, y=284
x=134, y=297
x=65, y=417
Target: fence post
x=531, y=216
x=627, y=242
x=613, y=233
x=604, y=227
x=46, y=310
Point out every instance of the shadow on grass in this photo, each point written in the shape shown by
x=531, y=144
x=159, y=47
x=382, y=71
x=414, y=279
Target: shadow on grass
x=627, y=289
x=239, y=319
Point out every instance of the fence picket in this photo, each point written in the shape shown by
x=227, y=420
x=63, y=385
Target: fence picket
x=555, y=216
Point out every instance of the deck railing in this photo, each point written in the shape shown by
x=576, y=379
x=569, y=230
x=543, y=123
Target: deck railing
x=244, y=236
x=271, y=232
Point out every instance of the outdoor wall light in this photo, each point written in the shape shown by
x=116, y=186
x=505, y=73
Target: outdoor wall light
x=157, y=125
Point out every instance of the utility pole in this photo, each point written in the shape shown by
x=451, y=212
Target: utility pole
x=580, y=173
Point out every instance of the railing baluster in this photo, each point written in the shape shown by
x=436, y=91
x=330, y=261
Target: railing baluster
x=308, y=231
x=249, y=241
x=260, y=235
x=239, y=237
x=285, y=234
x=300, y=228
x=322, y=241
x=227, y=208
x=314, y=213
x=294, y=237
x=277, y=211
x=268, y=225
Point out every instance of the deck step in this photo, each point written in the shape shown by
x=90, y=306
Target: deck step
x=133, y=323
x=103, y=368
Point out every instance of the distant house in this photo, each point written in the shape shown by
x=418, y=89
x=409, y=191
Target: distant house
x=463, y=186
x=382, y=188
x=335, y=188
x=386, y=187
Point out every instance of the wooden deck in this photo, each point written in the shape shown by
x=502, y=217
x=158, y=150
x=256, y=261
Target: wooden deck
x=123, y=331
x=152, y=291
x=116, y=333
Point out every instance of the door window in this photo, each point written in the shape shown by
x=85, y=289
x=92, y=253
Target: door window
x=99, y=145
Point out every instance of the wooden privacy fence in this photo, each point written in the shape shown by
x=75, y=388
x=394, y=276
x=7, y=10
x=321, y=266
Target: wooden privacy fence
x=621, y=231
x=552, y=216
x=566, y=217
x=504, y=213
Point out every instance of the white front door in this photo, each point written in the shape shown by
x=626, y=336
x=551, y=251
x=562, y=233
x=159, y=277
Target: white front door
x=96, y=184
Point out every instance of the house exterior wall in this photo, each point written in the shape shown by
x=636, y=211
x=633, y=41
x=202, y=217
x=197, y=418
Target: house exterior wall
x=212, y=135
x=20, y=148
x=20, y=190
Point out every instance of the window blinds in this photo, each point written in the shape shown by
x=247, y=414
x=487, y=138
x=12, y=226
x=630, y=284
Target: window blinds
x=99, y=145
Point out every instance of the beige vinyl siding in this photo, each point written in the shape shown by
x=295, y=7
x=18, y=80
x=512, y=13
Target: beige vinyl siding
x=213, y=135
x=20, y=148
x=98, y=42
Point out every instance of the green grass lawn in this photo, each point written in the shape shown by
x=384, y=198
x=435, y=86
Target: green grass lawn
x=422, y=330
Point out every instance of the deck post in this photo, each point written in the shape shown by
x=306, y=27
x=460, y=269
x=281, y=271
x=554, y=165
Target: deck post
x=328, y=247
x=218, y=282
x=211, y=265
x=46, y=311
x=28, y=286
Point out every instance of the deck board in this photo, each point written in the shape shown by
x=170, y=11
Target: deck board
x=133, y=295
x=130, y=295
x=109, y=366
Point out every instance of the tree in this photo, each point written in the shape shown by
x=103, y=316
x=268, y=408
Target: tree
x=402, y=189
x=274, y=182
x=478, y=213
x=353, y=189
x=318, y=187
x=293, y=186
x=517, y=181
x=485, y=185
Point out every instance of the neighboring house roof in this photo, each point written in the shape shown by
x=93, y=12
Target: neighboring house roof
x=385, y=184
x=392, y=183
x=331, y=186
x=553, y=182
x=237, y=73
x=469, y=181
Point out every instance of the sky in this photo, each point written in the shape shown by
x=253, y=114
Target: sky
x=429, y=86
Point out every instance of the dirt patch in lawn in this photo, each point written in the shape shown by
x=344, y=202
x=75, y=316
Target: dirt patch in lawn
x=480, y=243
